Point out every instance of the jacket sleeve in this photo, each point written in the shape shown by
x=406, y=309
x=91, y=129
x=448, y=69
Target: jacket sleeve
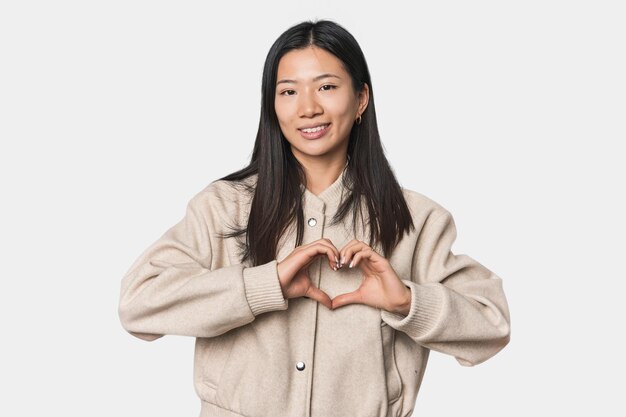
x=458, y=306
x=170, y=288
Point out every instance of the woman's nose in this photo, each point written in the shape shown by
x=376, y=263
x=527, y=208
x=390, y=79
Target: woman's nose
x=308, y=105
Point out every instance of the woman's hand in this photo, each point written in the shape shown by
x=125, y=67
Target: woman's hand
x=381, y=287
x=293, y=271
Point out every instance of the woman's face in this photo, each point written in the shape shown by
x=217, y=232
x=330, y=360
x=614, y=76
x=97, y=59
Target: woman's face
x=314, y=89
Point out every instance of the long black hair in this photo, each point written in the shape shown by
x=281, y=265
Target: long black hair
x=277, y=193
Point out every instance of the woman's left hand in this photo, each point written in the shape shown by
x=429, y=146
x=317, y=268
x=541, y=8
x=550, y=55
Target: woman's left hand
x=381, y=288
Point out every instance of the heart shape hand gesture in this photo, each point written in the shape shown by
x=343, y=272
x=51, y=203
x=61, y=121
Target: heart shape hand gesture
x=381, y=287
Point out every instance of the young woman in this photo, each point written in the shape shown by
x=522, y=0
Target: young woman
x=313, y=283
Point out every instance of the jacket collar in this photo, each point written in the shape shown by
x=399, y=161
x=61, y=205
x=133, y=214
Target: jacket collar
x=327, y=201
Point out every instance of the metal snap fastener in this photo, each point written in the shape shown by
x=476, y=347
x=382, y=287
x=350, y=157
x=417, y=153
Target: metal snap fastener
x=300, y=366
x=312, y=221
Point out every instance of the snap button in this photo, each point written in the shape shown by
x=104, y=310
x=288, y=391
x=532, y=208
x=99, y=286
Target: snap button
x=300, y=366
x=312, y=221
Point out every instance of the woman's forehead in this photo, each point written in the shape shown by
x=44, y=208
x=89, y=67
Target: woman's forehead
x=309, y=64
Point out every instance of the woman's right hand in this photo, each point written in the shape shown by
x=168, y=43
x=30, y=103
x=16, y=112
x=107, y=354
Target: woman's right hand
x=293, y=271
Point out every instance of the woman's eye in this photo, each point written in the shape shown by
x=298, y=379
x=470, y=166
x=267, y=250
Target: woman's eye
x=330, y=87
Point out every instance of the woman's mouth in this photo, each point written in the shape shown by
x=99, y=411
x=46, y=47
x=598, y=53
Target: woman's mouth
x=314, y=132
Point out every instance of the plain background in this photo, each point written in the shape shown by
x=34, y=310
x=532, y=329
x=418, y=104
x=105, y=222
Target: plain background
x=114, y=114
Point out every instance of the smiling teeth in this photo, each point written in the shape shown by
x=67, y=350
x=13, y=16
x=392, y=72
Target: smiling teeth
x=315, y=129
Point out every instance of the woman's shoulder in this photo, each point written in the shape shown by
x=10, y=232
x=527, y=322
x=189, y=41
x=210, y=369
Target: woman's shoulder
x=225, y=195
x=422, y=205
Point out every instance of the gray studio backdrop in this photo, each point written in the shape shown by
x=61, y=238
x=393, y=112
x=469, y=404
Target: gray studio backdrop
x=113, y=114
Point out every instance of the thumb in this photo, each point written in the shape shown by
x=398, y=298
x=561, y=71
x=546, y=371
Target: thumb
x=341, y=300
x=319, y=296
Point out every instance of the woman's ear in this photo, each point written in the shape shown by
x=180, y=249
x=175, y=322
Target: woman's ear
x=364, y=97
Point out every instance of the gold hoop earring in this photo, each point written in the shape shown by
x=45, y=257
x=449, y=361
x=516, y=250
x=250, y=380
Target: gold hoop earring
x=358, y=120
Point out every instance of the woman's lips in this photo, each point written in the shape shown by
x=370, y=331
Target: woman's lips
x=315, y=135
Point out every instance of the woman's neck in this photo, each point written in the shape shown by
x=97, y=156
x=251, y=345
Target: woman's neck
x=320, y=176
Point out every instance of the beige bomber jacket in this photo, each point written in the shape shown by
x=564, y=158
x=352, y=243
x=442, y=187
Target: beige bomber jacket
x=259, y=355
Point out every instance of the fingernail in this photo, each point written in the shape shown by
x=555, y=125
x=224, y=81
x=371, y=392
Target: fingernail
x=350, y=266
x=335, y=268
x=336, y=260
x=343, y=259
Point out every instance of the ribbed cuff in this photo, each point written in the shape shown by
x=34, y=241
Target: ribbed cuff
x=426, y=305
x=263, y=288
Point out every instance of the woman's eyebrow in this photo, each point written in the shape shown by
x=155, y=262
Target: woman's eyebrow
x=319, y=77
